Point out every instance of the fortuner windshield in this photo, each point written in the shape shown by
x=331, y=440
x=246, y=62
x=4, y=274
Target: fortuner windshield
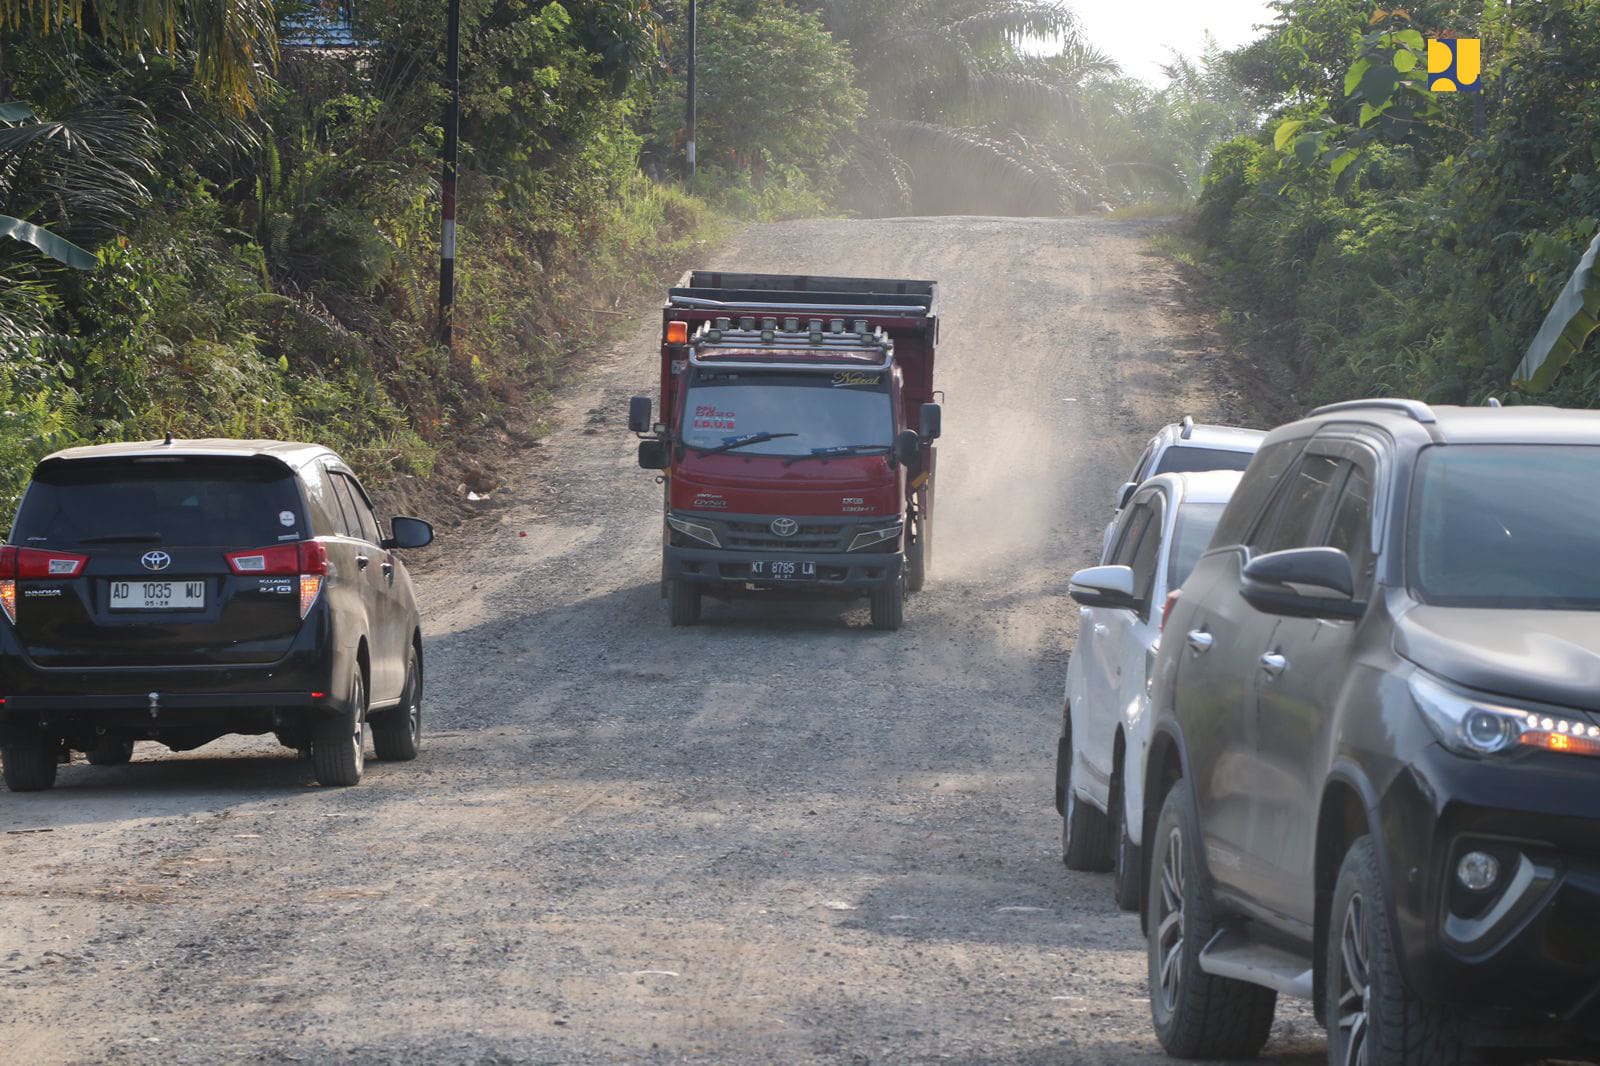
x=847, y=413
x=1512, y=526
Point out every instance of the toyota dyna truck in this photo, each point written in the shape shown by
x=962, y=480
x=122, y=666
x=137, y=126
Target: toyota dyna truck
x=796, y=439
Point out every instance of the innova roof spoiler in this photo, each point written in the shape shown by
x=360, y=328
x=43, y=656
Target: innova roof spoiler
x=1419, y=411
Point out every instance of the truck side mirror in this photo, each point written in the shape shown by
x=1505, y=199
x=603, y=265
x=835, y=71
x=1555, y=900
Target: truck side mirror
x=653, y=454
x=908, y=447
x=931, y=414
x=639, y=415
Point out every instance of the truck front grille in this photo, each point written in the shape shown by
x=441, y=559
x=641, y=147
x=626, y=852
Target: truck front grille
x=810, y=537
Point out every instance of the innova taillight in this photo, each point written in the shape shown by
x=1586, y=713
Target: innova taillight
x=306, y=560
x=33, y=564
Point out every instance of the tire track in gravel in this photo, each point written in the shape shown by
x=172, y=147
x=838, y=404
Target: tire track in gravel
x=779, y=837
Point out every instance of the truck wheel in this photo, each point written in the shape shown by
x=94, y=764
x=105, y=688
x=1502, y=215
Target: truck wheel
x=397, y=734
x=917, y=560
x=1197, y=1015
x=339, y=744
x=889, y=605
x=683, y=603
x=110, y=751
x=30, y=762
x=1372, y=1016
x=1124, y=856
x=1085, y=843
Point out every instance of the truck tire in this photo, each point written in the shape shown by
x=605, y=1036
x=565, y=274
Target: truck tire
x=889, y=605
x=339, y=743
x=110, y=751
x=1367, y=1002
x=30, y=762
x=917, y=560
x=1196, y=1015
x=397, y=733
x=1085, y=840
x=683, y=603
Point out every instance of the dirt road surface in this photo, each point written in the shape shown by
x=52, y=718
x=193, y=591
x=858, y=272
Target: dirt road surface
x=780, y=837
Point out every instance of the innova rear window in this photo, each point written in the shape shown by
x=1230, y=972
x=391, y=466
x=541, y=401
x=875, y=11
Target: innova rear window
x=177, y=501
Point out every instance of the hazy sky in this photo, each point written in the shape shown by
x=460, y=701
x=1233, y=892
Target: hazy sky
x=1138, y=33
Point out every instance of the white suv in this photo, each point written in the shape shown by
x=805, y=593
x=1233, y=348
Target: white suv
x=1166, y=525
x=1183, y=447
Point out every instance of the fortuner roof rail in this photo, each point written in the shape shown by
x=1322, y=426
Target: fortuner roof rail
x=1188, y=427
x=1419, y=411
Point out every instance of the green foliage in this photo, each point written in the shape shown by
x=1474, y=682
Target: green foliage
x=774, y=91
x=1391, y=246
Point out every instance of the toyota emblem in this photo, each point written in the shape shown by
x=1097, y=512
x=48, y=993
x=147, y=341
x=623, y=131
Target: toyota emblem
x=156, y=560
x=785, y=527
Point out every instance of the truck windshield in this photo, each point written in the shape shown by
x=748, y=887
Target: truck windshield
x=1511, y=526
x=789, y=414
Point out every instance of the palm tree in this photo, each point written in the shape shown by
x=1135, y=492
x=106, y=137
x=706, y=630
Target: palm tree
x=234, y=43
x=962, y=104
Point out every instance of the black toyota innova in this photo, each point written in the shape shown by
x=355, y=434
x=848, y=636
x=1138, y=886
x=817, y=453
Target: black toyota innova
x=181, y=591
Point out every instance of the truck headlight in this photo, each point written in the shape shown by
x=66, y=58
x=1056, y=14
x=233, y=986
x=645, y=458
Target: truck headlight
x=704, y=534
x=1473, y=726
x=876, y=536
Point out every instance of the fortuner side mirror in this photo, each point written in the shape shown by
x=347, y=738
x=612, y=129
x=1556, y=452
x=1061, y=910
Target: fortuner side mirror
x=1104, y=586
x=639, y=414
x=1125, y=493
x=908, y=447
x=1302, y=583
x=932, y=413
x=654, y=454
x=409, y=533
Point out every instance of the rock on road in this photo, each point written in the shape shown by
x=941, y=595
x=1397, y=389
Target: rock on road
x=779, y=837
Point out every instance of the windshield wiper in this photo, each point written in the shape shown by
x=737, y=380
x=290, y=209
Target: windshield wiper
x=838, y=449
x=123, y=538
x=740, y=442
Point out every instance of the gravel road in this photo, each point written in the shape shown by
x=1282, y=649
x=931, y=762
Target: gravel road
x=780, y=837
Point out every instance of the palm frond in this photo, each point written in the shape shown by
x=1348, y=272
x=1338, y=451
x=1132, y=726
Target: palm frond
x=1013, y=22
x=84, y=172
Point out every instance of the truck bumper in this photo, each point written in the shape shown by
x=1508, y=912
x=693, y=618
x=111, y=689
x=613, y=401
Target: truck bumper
x=721, y=571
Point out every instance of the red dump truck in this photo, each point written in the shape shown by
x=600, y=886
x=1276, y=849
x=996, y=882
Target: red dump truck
x=796, y=433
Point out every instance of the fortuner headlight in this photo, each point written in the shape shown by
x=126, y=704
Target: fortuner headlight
x=704, y=534
x=1475, y=726
x=876, y=536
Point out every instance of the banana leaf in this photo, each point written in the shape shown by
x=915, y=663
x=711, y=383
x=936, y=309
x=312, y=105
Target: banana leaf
x=1572, y=318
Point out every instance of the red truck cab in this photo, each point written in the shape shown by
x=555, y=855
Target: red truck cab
x=797, y=439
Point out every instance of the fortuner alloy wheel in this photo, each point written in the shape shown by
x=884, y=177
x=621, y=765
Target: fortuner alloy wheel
x=1373, y=1018
x=339, y=743
x=1196, y=1015
x=397, y=733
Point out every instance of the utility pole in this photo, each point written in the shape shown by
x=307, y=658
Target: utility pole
x=689, y=153
x=447, y=192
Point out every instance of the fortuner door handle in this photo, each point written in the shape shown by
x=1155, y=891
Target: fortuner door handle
x=388, y=569
x=362, y=561
x=1100, y=629
x=1274, y=664
x=1200, y=641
